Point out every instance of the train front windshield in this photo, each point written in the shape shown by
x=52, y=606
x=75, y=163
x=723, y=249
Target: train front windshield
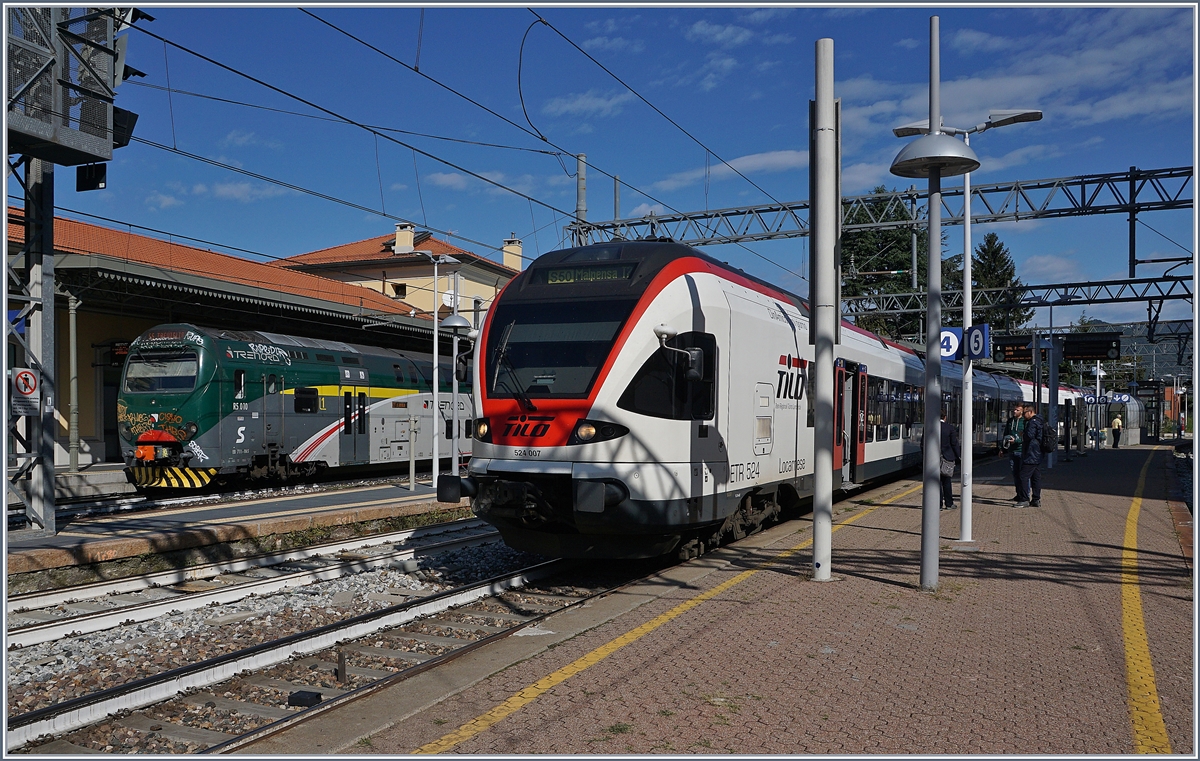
x=551, y=350
x=159, y=371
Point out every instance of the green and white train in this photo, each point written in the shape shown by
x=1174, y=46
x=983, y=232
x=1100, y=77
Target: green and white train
x=201, y=405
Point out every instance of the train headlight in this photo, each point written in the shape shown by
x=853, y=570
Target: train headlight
x=482, y=430
x=126, y=431
x=592, y=431
x=191, y=429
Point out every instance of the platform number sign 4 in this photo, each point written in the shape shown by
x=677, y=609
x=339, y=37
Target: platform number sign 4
x=951, y=343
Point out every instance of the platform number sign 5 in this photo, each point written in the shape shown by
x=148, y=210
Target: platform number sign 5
x=979, y=342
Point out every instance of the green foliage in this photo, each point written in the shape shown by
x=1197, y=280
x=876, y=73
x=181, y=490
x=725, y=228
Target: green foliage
x=992, y=266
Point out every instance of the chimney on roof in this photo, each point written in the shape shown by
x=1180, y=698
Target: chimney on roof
x=512, y=253
x=404, y=238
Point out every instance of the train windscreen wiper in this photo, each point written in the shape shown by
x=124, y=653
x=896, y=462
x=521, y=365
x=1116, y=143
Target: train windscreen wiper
x=503, y=360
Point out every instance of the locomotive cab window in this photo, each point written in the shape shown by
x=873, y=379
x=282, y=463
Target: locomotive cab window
x=272, y=384
x=306, y=400
x=661, y=388
x=171, y=371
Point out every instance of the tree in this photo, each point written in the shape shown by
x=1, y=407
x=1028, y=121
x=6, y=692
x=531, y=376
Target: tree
x=872, y=250
x=992, y=266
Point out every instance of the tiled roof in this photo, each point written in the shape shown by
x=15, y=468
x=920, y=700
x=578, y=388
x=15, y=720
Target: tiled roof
x=379, y=248
x=71, y=236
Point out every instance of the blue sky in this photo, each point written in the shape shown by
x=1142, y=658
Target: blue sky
x=1116, y=86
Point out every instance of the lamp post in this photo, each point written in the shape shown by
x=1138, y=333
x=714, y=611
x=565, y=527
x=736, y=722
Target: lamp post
x=996, y=118
x=437, y=410
x=458, y=325
x=932, y=156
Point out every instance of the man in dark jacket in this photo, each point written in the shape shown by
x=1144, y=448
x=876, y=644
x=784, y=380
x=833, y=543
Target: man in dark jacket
x=1010, y=443
x=1031, y=460
x=952, y=452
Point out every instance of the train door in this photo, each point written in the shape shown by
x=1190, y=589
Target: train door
x=858, y=426
x=355, y=390
x=272, y=409
x=841, y=419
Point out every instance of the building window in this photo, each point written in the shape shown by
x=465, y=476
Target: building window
x=399, y=290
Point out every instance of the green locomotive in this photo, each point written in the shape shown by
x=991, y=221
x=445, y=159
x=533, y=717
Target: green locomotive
x=199, y=405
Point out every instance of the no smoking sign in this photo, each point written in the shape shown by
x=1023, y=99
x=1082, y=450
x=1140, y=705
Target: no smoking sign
x=26, y=391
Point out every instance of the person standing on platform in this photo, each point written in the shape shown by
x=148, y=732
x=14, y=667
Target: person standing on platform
x=1030, y=484
x=951, y=454
x=1010, y=443
x=1116, y=428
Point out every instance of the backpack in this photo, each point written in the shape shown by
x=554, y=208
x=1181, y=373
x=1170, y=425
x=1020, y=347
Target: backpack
x=1049, y=438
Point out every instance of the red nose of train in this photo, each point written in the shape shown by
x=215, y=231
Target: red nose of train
x=150, y=442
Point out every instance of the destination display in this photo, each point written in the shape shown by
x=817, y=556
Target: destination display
x=591, y=274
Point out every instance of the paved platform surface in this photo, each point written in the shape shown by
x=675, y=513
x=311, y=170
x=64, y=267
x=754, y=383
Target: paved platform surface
x=112, y=537
x=1064, y=629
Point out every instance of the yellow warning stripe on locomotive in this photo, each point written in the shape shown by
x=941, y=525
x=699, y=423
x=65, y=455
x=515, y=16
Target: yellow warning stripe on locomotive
x=165, y=477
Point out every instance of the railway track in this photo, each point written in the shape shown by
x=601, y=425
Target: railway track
x=227, y=702
x=41, y=617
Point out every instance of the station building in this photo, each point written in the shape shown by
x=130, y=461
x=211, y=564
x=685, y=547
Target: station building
x=120, y=283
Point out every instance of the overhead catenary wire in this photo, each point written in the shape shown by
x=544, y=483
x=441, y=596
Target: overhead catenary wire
x=653, y=107
x=319, y=117
x=534, y=133
x=346, y=119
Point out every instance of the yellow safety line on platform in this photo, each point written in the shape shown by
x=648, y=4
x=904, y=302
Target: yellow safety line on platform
x=1145, y=714
x=531, y=693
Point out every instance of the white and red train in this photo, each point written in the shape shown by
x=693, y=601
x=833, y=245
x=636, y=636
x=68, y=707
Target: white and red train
x=640, y=398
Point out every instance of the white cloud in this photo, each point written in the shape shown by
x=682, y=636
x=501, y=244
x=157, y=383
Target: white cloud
x=162, y=201
x=1050, y=268
x=199, y=189
x=611, y=25
x=240, y=139
x=644, y=210
x=967, y=41
x=755, y=163
x=1020, y=156
x=590, y=103
x=614, y=44
x=763, y=15
x=398, y=186
x=245, y=192
x=725, y=35
x=910, y=43
x=778, y=39
x=449, y=180
x=865, y=176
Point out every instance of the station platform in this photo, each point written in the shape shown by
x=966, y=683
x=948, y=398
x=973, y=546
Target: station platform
x=1064, y=629
x=84, y=542
x=92, y=481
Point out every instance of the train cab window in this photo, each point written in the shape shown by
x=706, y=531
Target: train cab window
x=306, y=400
x=272, y=384
x=169, y=371
x=239, y=384
x=661, y=388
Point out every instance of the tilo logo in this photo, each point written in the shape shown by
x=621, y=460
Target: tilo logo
x=793, y=377
x=531, y=426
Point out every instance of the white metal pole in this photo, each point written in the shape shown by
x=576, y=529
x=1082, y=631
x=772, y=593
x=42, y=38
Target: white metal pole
x=437, y=410
x=1097, y=445
x=454, y=382
x=824, y=309
x=1052, y=392
x=931, y=523
x=968, y=397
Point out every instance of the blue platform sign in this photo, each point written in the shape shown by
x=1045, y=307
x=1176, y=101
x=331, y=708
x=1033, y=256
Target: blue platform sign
x=951, y=343
x=979, y=342
x=1089, y=398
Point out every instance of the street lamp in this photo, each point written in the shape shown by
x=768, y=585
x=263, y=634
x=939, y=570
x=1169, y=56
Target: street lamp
x=437, y=410
x=995, y=119
x=932, y=156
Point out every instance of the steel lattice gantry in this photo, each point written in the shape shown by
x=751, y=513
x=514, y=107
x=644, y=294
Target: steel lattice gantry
x=1098, y=292
x=1130, y=192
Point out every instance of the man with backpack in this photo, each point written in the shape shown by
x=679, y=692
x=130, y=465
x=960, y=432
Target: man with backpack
x=1035, y=441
